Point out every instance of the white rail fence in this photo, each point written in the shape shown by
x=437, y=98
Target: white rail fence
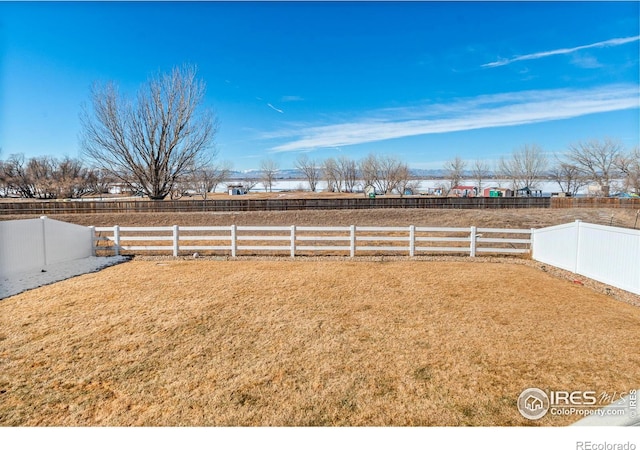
x=610, y=255
x=304, y=240
x=35, y=243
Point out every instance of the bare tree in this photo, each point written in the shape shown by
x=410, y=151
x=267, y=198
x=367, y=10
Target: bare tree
x=568, y=176
x=405, y=181
x=208, y=178
x=4, y=180
x=18, y=177
x=332, y=175
x=389, y=173
x=72, y=178
x=99, y=181
x=156, y=140
x=597, y=161
x=249, y=183
x=348, y=172
x=454, y=169
x=310, y=170
x=268, y=171
x=526, y=166
x=384, y=173
x=629, y=166
x=480, y=170
x=369, y=170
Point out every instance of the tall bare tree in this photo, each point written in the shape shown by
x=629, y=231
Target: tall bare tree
x=525, y=167
x=348, y=170
x=454, y=169
x=597, y=160
x=268, y=171
x=310, y=170
x=629, y=166
x=480, y=170
x=154, y=141
x=332, y=175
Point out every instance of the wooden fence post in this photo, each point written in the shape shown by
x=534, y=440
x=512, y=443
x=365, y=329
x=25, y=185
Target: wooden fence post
x=176, y=240
x=472, y=251
x=116, y=240
x=352, y=229
x=234, y=241
x=293, y=241
x=412, y=240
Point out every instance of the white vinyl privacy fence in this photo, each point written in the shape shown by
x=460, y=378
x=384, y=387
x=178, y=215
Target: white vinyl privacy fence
x=34, y=243
x=610, y=255
x=309, y=240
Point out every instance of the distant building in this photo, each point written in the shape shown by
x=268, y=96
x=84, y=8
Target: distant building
x=497, y=192
x=236, y=189
x=464, y=191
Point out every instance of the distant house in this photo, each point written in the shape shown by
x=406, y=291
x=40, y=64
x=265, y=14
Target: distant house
x=236, y=189
x=497, y=192
x=464, y=191
x=120, y=189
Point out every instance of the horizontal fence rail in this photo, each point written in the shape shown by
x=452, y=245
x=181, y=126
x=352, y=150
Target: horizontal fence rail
x=248, y=204
x=295, y=240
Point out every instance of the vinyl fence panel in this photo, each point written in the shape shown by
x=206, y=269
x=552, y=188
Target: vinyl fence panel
x=66, y=241
x=557, y=246
x=33, y=243
x=610, y=255
x=21, y=246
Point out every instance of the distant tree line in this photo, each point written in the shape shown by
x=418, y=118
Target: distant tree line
x=161, y=143
x=603, y=163
x=385, y=174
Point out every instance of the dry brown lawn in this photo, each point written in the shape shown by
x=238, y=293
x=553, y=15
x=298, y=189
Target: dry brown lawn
x=294, y=343
x=500, y=218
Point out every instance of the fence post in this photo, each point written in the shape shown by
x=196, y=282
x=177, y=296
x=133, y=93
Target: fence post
x=412, y=240
x=176, y=240
x=352, y=230
x=472, y=251
x=533, y=233
x=116, y=240
x=234, y=241
x=43, y=219
x=293, y=241
x=576, y=263
x=92, y=232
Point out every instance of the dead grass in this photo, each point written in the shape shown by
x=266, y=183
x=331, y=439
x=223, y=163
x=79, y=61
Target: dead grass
x=500, y=218
x=212, y=343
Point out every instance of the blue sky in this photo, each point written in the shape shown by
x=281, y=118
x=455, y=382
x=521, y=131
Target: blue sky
x=423, y=81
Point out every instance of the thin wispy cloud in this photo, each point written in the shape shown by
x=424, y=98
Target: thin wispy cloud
x=488, y=111
x=563, y=51
x=274, y=108
x=291, y=98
